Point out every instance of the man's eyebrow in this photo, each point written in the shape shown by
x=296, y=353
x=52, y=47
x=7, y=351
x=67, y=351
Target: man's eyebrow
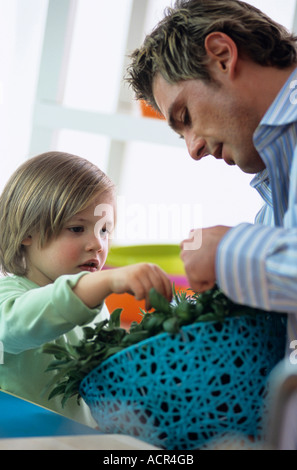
x=172, y=121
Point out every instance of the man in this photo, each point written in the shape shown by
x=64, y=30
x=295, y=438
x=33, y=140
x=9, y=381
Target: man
x=224, y=76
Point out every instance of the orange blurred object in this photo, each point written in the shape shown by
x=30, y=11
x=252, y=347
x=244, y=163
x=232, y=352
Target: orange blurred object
x=149, y=111
x=131, y=307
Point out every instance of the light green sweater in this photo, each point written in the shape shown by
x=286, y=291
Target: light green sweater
x=30, y=316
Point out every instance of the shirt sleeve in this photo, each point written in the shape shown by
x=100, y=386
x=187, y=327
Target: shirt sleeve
x=256, y=265
x=30, y=318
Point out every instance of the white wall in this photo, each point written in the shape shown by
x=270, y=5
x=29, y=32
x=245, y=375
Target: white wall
x=152, y=174
x=21, y=32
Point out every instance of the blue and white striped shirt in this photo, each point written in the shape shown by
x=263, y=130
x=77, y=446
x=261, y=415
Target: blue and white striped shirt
x=257, y=263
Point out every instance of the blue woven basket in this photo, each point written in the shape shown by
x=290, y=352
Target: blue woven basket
x=178, y=392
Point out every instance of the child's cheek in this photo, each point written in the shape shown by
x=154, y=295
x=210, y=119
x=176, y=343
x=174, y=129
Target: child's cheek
x=70, y=252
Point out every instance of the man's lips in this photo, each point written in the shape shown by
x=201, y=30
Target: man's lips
x=221, y=155
x=218, y=152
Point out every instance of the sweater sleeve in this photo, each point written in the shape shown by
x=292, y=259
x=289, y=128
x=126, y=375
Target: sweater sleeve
x=256, y=265
x=31, y=316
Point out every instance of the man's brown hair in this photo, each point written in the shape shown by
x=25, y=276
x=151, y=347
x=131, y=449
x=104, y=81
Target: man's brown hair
x=175, y=48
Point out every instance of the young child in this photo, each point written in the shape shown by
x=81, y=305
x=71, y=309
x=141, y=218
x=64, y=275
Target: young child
x=57, y=213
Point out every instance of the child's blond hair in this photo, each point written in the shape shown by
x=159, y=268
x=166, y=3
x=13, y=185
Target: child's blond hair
x=40, y=196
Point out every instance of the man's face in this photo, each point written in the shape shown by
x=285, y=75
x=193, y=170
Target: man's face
x=214, y=119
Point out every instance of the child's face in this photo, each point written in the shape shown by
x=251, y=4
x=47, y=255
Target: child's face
x=82, y=244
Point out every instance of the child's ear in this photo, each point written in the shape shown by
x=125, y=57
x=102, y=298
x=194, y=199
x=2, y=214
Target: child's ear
x=27, y=241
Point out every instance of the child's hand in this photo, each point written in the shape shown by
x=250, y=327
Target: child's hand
x=138, y=279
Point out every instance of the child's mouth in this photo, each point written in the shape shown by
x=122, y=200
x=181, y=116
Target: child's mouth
x=91, y=267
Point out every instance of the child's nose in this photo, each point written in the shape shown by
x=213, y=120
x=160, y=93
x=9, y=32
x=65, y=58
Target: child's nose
x=94, y=243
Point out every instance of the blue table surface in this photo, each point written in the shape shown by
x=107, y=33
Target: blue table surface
x=19, y=418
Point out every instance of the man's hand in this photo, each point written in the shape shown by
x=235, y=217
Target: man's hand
x=200, y=262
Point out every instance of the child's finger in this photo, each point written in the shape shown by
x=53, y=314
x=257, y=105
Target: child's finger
x=160, y=281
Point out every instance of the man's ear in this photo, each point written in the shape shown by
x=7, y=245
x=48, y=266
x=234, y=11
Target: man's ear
x=27, y=241
x=222, y=51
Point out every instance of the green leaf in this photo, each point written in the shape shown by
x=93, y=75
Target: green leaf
x=88, y=332
x=115, y=318
x=136, y=337
x=199, y=308
x=171, y=325
x=153, y=323
x=99, y=326
x=158, y=302
x=53, y=348
x=206, y=317
x=183, y=310
x=113, y=351
x=57, y=365
x=59, y=390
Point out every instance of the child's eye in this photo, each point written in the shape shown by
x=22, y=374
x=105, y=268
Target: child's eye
x=77, y=229
x=104, y=231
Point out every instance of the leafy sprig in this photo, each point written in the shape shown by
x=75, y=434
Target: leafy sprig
x=73, y=362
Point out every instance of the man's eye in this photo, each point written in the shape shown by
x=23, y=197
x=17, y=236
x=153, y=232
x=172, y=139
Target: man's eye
x=77, y=229
x=186, y=120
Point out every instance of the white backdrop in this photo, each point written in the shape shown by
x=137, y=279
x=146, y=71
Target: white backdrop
x=152, y=174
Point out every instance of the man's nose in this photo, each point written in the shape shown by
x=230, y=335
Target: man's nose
x=197, y=147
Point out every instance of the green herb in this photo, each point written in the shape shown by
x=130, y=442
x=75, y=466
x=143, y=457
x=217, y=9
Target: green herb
x=74, y=362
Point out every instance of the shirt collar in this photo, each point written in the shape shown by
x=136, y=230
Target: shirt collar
x=260, y=182
x=283, y=109
x=275, y=139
